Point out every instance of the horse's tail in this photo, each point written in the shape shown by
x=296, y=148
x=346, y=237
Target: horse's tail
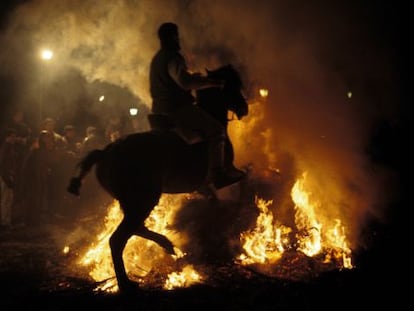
x=85, y=166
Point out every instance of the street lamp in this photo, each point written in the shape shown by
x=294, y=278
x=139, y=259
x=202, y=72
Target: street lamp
x=46, y=55
x=133, y=112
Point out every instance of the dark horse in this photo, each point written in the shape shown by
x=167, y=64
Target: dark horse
x=138, y=168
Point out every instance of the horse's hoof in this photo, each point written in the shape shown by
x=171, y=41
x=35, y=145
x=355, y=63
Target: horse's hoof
x=74, y=186
x=170, y=250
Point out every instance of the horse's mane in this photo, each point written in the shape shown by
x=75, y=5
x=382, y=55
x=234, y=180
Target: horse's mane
x=227, y=73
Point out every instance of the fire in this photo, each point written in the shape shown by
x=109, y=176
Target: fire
x=268, y=241
x=318, y=233
x=309, y=236
x=188, y=276
x=315, y=235
x=140, y=255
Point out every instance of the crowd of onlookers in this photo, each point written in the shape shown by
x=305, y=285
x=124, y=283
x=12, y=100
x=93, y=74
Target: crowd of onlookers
x=36, y=166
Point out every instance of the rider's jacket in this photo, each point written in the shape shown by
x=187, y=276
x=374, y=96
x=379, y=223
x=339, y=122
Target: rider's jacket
x=166, y=69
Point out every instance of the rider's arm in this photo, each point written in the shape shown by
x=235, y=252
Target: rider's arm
x=178, y=70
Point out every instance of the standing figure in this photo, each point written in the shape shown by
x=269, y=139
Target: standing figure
x=9, y=168
x=40, y=179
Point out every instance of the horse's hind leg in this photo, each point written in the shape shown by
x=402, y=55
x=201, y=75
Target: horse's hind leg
x=117, y=243
x=136, y=208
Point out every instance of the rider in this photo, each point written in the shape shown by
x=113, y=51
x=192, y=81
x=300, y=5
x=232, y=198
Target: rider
x=171, y=86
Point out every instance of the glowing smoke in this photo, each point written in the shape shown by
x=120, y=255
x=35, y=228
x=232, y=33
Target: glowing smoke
x=308, y=56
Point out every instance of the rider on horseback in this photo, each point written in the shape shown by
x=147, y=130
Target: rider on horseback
x=171, y=86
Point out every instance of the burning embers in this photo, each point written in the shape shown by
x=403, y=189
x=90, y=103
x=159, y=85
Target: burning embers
x=314, y=244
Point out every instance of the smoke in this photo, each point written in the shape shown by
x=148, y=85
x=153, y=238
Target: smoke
x=328, y=75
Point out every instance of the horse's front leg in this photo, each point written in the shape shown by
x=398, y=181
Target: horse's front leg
x=117, y=243
x=160, y=239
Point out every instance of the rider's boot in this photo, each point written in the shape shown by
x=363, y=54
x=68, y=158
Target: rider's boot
x=219, y=175
x=234, y=171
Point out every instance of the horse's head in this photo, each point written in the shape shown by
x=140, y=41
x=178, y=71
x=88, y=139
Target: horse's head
x=217, y=101
x=232, y=90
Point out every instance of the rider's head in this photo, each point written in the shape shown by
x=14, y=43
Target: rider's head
x=168, y=35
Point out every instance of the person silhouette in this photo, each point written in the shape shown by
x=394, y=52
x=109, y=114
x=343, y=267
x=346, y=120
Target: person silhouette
x=171, y=87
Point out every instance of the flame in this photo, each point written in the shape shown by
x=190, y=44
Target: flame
x=268, y=241
x=309, y=236
x=265, y=244
x=318, y=233
x=188, y=276
x=315, y=235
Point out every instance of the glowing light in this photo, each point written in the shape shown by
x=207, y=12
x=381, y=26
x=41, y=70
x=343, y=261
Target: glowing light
x=264, y=92
x=101, y=98
x=349, y=94
x=66, y=250
x=46, y=54
x=133, y=111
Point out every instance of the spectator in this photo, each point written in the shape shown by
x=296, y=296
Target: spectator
x=72, y=144
x=21, y=146
x=9, y=169
x=114, y=128
x=49, y=125
x=92, y=140
x=40, y=182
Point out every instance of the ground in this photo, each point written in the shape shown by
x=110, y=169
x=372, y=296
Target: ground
x=35, y=273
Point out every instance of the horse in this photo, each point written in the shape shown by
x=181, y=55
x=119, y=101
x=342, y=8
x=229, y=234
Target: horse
x=137, y=168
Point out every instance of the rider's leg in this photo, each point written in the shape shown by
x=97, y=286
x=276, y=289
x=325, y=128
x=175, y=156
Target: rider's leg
x=218, y=173
x=199, y=120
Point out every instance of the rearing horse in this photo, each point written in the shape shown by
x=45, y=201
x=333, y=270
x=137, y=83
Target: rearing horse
x=138, y=168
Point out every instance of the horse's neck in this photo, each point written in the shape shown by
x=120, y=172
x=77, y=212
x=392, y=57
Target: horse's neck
x=209, y=100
